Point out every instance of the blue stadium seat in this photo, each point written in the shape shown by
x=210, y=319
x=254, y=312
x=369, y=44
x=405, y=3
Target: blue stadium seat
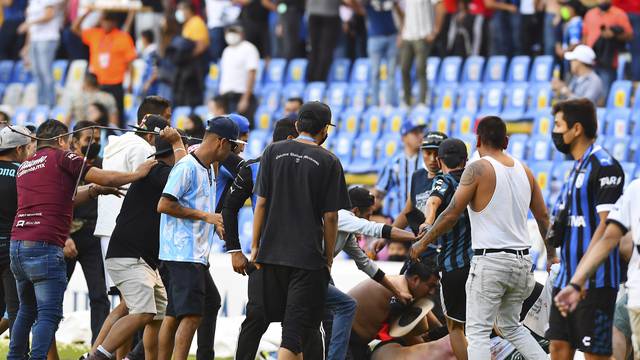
x=389, y=145
x=463, y=123
x=179, y=115
x=629, y=171
x=433, y=66
x=258, y=140
x=59, y=113
x=518, y=145
x=634, y=148
x=470, y=141
x=373, y=121
x=420, y=116
x=270, y=96
x=472, y=70
x=619, y=148
x=343, y=148
x=619, y=94
x=542, y=171
x=539, y=148
x=275, y=71
x=492, y=95
x=496, y=68
x=202, y=111
x=21, y=116
x=446, y=96
x=245, y=228
x=263, y=118
x=357, y=95
x=20, y=74
x=337, y=96
x=213, y=77
x=623, y=62
x=350, y=122
x=6, y=68
x=297, y=70
x=470, y=98
x=542, y=69
x=60, y=71
x=360, y=71
x=618, y=123
x=543, y=125
x=518, y=69
x=2, y=87
x=450, y=70
x=561, y=170
x=516, y=101
x=441, y=121
x=38, y=115
x=315, y=91
x=292, y=90
x=540, y=95
x=365, y=154
x=394, y=121
x=339, y=71
x=601, y=114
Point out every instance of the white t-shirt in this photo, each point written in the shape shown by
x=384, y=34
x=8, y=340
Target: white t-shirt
x=49, y=30
x=235, y=64
x=419, y=19
x=626, y=214
x=221, y=13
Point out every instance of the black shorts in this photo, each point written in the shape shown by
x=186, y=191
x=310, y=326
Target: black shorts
x=296, y=297
x=589, y=328
x=454, y=296
x=188, y=287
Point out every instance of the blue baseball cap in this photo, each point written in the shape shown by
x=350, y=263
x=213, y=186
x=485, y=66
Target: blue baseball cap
x=411, y=124
x=241, y=121
x=224, y=127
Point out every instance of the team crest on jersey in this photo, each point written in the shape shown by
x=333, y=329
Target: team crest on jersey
x=580, y=180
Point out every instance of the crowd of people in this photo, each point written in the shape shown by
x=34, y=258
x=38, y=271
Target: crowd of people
x=139, y=213
x=178, y=41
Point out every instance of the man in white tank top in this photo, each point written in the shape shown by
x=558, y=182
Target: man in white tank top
x=499, y=191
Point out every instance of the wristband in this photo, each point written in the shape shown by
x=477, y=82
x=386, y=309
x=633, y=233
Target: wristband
x=576, y=287
x=386, y=231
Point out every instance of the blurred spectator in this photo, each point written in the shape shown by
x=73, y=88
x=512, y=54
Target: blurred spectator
x=585, y=83
x=188, y=86
x=254, y=18
x=79, y=102
x=148, y=51
x=551, y=20
x=504, y=27
x=5, y=119
x=571, y=13
x=43, y=25
x=194, y=127
x=460, y=34
x=480, y=13
x=352, y=41
x=324, y=30
x=158, y=79
x=606, y=30
x=290, y=14
x=150, y=18
x=218, y=106
x=529, y=34
x=220, y=13
x=11, y=41
x=72, y=43
x=292, y=106
x=382, y=44
x=632, y=8
x=238, y=68
x=148, y=47
x=422, y=23
x=111, y=52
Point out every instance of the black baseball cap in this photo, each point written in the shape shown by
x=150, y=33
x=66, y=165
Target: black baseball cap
x=453, y=149
x=316, y=111
x=361, y=197
x=152, y=122
x=224, y=127
x=432, y=140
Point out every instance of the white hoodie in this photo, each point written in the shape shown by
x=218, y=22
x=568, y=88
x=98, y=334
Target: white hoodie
x=122, y=153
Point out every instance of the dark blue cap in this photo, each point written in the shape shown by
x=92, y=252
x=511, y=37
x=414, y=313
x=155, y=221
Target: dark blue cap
x=224, y=127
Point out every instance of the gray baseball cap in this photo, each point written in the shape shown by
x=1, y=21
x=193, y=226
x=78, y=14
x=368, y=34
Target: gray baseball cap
x=11, y=138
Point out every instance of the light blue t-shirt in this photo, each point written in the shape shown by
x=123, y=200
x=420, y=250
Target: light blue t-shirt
x=191, y=184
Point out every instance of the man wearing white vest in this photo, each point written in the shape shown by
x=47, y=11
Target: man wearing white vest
x=498, y=191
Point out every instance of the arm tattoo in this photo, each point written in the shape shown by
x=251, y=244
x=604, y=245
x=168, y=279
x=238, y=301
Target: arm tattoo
x=471, y=173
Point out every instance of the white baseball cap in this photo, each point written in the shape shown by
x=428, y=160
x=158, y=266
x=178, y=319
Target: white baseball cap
x=11, y=138
x=582, y=53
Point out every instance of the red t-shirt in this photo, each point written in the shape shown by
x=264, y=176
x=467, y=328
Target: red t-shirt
x=45, y=184
x=629, y=6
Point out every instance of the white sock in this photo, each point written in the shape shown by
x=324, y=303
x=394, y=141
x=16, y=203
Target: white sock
x=105, y=352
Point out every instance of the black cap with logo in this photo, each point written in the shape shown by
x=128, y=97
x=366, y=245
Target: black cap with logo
x=432, y=140
x=316, y=111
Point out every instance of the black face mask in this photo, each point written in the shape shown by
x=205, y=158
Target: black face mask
x=92, y=152
x=396, y=258
x=558, y=141
x=605, y=7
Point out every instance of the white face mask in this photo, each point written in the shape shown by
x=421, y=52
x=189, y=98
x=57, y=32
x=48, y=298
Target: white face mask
x=180, y=16
x=232, y=38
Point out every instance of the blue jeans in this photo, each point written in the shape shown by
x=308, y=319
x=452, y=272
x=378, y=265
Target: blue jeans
x=344, y=310
x=42, y=54
x=635, y=46
x=549, y=39
x=505, y=30
x=41, y=279
x=216, y=43
x=378, y=48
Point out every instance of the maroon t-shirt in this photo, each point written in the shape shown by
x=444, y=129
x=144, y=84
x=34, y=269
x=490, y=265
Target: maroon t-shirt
x=45, y=184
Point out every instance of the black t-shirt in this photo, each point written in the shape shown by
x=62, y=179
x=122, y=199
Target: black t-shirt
x=137, y=230
x=301, y=182
x=255, y=12
x=9, y=196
